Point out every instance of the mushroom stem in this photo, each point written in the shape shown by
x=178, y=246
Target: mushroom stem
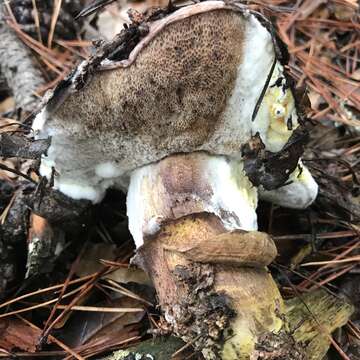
x=211, y=277
x=185, y=184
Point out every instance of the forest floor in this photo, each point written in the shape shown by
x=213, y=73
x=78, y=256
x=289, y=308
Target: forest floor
x=67, y=292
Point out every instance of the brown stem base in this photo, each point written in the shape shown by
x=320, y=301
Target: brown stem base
x=220, y=308
x=211, y=277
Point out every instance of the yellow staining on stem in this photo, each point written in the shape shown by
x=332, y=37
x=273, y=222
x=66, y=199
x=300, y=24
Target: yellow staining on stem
x=243, y=184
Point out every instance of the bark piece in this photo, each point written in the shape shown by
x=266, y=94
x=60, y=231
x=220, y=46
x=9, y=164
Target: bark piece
x=22, y=147
x=272, y=169
x=16, y=221
x=7, y=264
x=55, y=206
x=14, y=334
x=12, y=240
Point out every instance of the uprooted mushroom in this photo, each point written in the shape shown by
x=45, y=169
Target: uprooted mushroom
x=193, y=114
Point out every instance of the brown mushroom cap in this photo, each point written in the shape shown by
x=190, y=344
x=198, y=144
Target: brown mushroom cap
x=194, y=86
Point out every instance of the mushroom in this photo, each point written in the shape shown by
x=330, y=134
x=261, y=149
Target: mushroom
x=193, y=114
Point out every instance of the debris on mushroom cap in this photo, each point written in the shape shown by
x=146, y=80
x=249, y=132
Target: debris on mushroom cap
x=206, y=77
x=299, y=192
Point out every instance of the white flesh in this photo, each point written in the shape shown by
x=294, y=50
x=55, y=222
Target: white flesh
x=299, y=194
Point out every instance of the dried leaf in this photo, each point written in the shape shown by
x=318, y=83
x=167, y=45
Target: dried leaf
x=7, y=104
x=7, y=175
x=90, y=263
x=93, y=327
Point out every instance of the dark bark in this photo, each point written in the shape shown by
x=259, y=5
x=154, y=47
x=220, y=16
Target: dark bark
x=56, y=207
x=12, y=237
x=7, y=265
x=22, y=147
x=14, y=228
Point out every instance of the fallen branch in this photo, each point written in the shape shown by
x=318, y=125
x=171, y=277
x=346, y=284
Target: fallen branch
x=18, y=68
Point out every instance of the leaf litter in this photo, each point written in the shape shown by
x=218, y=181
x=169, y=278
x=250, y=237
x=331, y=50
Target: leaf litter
x=323, y=38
